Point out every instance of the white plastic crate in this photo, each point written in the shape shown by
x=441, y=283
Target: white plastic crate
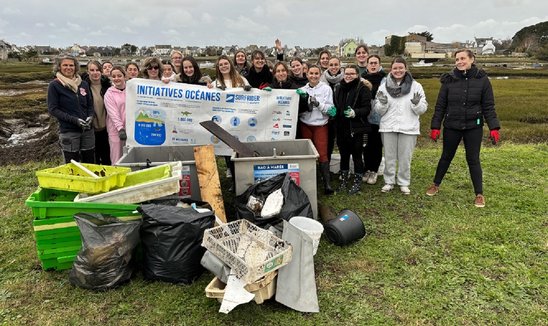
x=250, y=251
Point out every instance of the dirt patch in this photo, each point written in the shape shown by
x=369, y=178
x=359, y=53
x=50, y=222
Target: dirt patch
x=25, y=139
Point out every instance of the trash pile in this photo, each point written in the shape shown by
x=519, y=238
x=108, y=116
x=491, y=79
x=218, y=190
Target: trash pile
x=105, y=222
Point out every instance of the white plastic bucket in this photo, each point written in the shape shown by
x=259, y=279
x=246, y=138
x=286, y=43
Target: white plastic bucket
x=313, y=228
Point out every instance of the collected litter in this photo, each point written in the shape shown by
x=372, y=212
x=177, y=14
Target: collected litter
x=104, y=262
x=171, y=237
x=250, y=251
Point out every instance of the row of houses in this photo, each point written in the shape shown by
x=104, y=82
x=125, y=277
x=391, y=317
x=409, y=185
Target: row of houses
x=416, y=46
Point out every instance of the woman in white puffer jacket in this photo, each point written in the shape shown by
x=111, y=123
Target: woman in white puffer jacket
x=400, y=101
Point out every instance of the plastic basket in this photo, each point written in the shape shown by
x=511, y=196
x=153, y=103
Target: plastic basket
x=264, y=288
x=50, y=203
x=69, y=177
x=250, y=251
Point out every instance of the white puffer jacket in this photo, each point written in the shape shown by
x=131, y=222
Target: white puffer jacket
x=324, y=95
x=399, y=114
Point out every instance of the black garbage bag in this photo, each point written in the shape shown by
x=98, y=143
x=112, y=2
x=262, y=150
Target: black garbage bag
x=295, y=201
x=104, y=262
x=171, y=238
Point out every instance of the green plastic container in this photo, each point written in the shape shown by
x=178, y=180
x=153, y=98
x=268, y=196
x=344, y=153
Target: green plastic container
x=70, y=177
x=58, y=240
x=48, y=203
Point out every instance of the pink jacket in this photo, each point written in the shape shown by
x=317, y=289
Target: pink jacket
x=115, y=103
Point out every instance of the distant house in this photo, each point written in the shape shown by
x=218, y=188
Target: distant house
x=347, y=48
x=45, y=50
x=484, y=43
x=162, y=50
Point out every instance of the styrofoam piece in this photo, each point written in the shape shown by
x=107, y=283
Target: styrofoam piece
x=136, y=194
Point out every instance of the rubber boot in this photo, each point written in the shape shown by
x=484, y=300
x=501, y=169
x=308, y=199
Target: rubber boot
x=357, y=184
x=344, y=181
x=326, y=178
x=88, y=156
x=71, y=156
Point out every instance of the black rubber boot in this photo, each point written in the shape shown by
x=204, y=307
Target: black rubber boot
x=88, y=156
x=357, y=184
x=71, y=156
x=326, y=178
x=344, y=181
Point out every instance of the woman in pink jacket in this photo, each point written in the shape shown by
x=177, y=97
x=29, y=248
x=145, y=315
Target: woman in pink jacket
x=115, y=103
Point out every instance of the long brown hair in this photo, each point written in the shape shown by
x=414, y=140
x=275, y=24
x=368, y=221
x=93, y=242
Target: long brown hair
x=235, y=78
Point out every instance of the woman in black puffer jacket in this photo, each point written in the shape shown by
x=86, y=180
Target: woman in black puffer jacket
x=465, y=102
x=353, y=102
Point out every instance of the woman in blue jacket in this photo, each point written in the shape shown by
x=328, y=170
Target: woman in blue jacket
x=464, y=102
x=69, y=100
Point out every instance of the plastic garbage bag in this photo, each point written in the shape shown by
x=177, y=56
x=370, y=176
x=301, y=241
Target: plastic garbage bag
x=171, y=238
x=295, y=201
x=106, y=254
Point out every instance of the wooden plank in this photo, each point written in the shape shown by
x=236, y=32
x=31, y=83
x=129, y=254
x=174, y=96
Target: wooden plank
x=208, y=176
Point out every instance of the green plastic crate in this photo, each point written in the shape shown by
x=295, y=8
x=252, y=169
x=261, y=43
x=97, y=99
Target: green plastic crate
x=48, y=203
x=58, y=239
x=69, y=177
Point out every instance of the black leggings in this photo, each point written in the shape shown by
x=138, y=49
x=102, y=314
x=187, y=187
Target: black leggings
x=472, y=144
x=372, y=153
x=351, y=146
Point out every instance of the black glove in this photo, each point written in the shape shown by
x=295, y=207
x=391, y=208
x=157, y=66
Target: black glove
x=122, y=134
x=247, y=88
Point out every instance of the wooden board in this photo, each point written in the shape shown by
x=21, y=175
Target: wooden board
x=208, y=177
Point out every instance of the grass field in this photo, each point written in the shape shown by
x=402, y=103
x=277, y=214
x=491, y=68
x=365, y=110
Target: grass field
x=424, y=260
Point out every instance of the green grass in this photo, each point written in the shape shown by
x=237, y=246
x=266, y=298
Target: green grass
x=424, y=260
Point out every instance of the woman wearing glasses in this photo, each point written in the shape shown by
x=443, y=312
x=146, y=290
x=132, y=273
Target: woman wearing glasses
x=152, y=68
x=400, y=101
x=176, y=60
x=353, y=102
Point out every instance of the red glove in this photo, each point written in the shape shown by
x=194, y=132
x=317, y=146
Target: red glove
x=494, y=136
x=435, y=134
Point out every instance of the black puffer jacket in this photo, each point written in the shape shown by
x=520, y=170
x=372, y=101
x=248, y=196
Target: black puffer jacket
x=356, y=95
x=465, y=101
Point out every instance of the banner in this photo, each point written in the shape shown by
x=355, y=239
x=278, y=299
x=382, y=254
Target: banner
x=159, y=114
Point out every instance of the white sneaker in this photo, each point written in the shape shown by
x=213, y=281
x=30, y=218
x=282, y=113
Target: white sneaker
x=228, y=173
x=387, y=188
x=366, y=176
x=372, y=178
x=405, y=190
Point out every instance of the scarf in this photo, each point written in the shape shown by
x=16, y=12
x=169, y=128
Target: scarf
x=400, y=90
x=332, y=80
x=70, y=83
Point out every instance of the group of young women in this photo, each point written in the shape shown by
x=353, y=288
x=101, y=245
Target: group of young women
x=360, y=107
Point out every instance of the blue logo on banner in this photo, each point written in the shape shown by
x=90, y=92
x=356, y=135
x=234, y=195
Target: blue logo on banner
x=252, y=122
x=234, y=121
x=150, y=128
x=230, y=98
x=217, y=119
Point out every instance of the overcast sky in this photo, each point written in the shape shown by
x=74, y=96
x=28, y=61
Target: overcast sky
x=308, y=23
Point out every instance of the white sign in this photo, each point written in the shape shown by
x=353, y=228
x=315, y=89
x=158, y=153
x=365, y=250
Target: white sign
x=159, y=114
